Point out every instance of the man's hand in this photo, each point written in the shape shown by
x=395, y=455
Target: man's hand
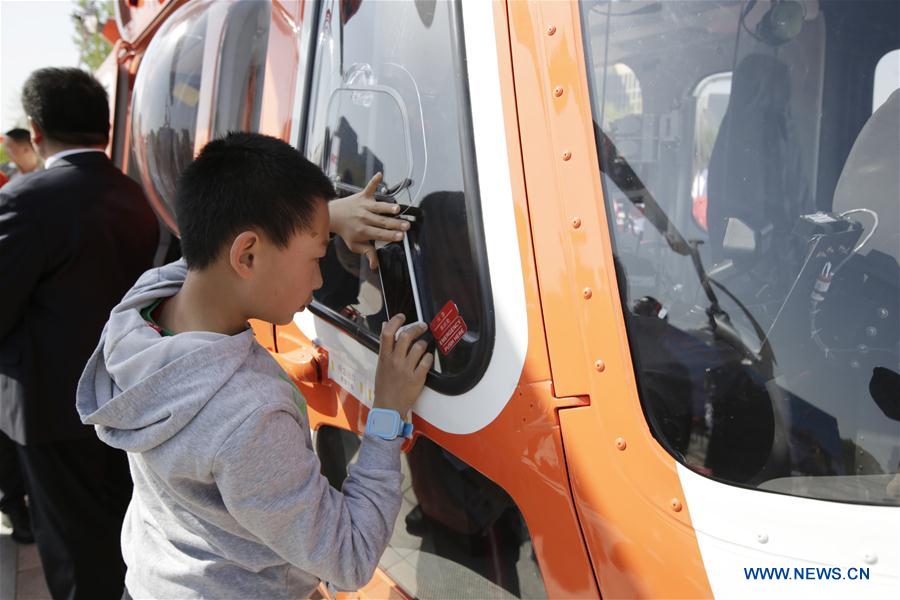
x=402, y=367
x=359, y=219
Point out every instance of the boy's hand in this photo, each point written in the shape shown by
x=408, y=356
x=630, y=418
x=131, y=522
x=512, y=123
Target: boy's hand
x=402, y=367
x=359, y=219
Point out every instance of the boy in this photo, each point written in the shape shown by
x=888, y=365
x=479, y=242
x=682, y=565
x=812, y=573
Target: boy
x=228, y=499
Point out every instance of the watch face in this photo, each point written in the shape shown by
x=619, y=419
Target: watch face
x=383, y=422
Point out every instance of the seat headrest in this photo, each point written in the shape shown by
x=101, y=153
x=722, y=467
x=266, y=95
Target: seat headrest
x=871, y=177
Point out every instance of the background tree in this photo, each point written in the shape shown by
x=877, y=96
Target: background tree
x=89, y=16
x=4, y=158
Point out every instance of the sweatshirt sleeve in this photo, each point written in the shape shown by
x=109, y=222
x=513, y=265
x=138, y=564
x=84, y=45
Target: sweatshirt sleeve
x=271, y=483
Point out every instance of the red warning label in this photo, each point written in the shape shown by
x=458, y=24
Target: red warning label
x=443, y=319
x=448, y=327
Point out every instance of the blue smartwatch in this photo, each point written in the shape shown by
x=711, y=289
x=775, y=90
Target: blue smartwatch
x=387, y=424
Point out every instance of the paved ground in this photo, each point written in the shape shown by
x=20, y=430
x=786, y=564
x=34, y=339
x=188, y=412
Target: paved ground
x=21, y=575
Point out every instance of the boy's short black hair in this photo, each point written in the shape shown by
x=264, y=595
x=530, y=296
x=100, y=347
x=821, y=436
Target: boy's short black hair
x=69, y=105
x=18, y=135
x=245, y=180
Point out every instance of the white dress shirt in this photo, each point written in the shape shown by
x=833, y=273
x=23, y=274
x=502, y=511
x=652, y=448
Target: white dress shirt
x=49, y=162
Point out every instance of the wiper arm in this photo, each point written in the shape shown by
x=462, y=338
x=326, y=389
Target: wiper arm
x=619, y=170
x=622, y=174
x=714, y=309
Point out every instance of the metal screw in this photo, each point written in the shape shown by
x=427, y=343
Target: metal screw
x=871, y=331
x=587, y=293
x=551, y=30
x=883, y=313
x=620, y=443
x=558, y=91
x=870, y=558
x=762, y=538
x=599, y=365
x=675, y=503
x=576, y=222
x=566, y=155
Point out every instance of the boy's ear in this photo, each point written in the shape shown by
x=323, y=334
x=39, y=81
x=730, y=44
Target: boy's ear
x=241, y=255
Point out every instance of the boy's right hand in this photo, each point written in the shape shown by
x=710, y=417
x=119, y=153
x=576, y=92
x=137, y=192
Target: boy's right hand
x=360, y=219
x=402, y=367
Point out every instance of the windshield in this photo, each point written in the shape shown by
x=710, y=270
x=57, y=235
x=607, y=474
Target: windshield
x=752, y=194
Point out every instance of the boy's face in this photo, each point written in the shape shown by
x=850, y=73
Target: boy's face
x=288, y=276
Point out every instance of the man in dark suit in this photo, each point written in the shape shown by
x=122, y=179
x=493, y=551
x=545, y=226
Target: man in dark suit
x=73, y=239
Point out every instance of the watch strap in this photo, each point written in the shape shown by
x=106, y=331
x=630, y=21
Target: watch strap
x=399, y=427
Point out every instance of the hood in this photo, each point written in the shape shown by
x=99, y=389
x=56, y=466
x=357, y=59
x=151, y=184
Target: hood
x=139, y=389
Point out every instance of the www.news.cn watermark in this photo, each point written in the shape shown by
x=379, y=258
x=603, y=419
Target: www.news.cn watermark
x=806, y=574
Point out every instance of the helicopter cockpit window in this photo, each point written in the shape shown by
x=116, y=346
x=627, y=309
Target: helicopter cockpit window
x=389, y=94
x=166, y=102
x=167, y=92
x=711, y=102
x=753, y=208
x=237, y=99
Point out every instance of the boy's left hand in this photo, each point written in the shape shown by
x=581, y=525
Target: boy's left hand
x=359, y=219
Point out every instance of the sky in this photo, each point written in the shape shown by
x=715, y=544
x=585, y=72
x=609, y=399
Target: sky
x=33, y=34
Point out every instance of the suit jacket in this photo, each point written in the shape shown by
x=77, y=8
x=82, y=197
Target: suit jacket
x=73, y=240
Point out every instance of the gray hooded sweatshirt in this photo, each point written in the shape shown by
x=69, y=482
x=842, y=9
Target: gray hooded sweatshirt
x=228, y=499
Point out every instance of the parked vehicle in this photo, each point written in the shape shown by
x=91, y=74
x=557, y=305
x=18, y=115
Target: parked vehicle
x=669, y=230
